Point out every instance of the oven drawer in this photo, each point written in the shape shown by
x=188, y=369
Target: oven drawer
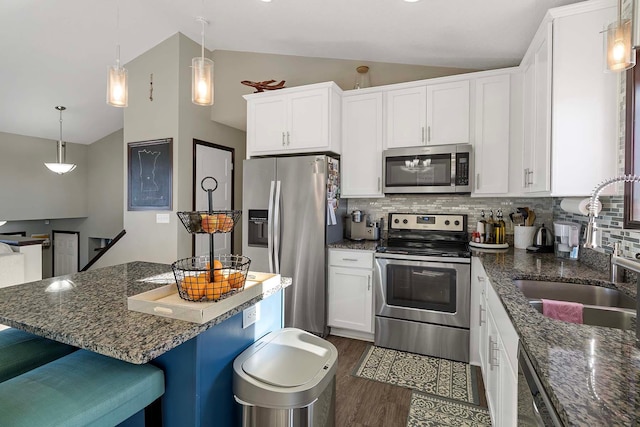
x=351, y=258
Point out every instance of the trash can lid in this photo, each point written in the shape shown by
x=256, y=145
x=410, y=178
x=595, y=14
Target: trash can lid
x=293, y=358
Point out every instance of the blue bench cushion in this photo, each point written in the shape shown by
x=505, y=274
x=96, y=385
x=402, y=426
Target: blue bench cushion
x=80, y=389
x=20, y=352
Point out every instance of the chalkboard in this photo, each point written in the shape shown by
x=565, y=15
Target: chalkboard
x=150, y=170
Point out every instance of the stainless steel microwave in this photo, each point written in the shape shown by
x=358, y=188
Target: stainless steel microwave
x=430, y=169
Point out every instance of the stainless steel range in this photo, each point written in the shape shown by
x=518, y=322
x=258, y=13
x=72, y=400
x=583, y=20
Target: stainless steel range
x=422, y=284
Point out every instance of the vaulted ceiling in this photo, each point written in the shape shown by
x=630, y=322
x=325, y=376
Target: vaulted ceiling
x=57, y=52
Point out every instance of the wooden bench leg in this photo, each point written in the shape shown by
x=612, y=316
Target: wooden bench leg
x=153, y=414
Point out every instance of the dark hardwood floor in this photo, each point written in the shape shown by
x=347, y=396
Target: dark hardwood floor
x=361, y=402
x=366, y=403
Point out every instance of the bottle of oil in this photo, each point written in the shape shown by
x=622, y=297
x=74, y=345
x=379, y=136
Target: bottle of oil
x=481, y=226
x=489, y=233
x=499, y=229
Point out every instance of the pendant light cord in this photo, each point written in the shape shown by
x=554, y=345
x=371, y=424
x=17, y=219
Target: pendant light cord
x=118, y=34
x=61, y=127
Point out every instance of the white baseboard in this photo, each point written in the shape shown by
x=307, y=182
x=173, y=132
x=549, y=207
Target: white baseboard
x=348, y=333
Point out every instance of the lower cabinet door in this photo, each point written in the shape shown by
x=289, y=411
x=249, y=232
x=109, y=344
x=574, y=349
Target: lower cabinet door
x=350, y=302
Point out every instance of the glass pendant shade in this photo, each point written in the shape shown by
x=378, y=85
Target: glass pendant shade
x=117, y=90
x=202, y=81
x=618, y=46
x=2, y=223
x=362, y=77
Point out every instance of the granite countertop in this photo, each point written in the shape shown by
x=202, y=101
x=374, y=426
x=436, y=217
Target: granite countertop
x=361, y=245
x=591, y=373
x=94, y=315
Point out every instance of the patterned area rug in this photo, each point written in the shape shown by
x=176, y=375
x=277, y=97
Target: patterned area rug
x=431, y=411
x=441, y=377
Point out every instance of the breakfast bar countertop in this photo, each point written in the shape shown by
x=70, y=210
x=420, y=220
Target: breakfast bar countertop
x=93, y=314
x=591, y=373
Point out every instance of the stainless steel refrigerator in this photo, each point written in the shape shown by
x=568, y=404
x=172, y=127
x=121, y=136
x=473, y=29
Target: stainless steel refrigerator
x=289, y=215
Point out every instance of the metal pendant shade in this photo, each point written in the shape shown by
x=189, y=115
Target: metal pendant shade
x=60, y=166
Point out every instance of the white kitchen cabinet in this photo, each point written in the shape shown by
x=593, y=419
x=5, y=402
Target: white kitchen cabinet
x=295, y=120
x=448, y=113
x=494, y=345
x=428, y=115
x=584, y=132
x=536, y=151
x=361, y=159
x=491, y=146
x=350, y=293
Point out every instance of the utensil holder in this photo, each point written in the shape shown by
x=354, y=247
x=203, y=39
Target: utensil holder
x=523, y=236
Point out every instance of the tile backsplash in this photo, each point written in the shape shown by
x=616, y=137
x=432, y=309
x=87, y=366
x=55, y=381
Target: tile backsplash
x=458, y=204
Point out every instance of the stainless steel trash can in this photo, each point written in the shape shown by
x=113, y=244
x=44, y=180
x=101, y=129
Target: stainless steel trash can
x=287, y=379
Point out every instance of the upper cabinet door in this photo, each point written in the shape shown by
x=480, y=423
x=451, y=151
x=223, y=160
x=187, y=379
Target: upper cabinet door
x=448, y=113
x=308, y=114
x=361, y=168
x=541, y=178
x=491, y=148
x=406, y=117
x=267, y=124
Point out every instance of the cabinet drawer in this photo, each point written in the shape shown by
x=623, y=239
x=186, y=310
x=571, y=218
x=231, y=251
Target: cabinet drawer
x=351, y=258
x=505, y=328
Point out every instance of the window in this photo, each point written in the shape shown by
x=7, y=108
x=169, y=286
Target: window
x=632, y=152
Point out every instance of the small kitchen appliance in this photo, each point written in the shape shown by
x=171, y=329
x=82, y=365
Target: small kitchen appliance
x=364, y=229
x=543, y=241
x=422, y=285
x=428, y=169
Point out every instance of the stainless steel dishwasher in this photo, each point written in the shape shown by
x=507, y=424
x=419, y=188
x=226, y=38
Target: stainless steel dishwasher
x=534, y=407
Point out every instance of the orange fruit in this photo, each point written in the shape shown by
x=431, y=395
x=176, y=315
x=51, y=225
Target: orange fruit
x=236, y=280
x=225, y=223
x=213, y=290
x=217, y=264
x=195, y=286
x=225, y=286
x=209, y=223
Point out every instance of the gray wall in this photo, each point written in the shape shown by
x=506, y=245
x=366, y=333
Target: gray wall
x=103, y=181
x=28, y=190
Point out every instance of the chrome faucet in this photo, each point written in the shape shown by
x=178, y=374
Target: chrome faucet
x=617, y=273
x=592, y=227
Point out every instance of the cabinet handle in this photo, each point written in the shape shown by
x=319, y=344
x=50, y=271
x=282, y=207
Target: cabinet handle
x=283, y=139
x=493, y=350
x=368, y=283
x=477, y=181
x=481, y=279
x=526, y=177
x=530, y=181
x=423, y=134
x=349, y=259
x=480, y=321
x=288, y=138
x=379, y=184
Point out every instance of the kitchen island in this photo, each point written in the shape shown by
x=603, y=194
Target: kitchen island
x=89, y=311
x=591, y=373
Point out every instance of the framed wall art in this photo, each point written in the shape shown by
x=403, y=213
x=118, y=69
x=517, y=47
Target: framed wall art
x=150, y=165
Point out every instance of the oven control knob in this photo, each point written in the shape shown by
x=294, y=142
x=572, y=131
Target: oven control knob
x=457, y=222
x=447, y=222
x=396, y=221
x=404, y=221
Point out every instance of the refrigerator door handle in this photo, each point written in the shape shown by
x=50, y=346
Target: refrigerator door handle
x=270, y=227
x=276, y=229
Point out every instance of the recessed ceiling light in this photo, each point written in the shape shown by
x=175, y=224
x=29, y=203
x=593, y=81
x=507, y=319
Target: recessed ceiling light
x=412, y=1
x=267, y=1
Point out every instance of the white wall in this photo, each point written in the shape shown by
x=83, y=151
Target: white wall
x=28, y=190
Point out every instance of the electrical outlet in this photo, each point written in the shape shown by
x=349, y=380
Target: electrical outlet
x=162, y=219
x=250, y=316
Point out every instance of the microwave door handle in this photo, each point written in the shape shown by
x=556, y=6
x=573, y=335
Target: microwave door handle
x=276, y=229
x=270, y=227
x=453, y=169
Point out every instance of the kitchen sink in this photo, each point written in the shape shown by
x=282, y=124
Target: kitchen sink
x=602, y=306
x=600, y=316
x=585, y=294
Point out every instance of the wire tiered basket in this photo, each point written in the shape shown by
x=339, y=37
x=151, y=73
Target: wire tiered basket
x=207, y=277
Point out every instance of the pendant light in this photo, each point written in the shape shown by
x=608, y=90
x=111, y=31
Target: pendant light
x=2, y=223
x=202, y=75
x=117, y=90
x=60, y=167
x=618, y=46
